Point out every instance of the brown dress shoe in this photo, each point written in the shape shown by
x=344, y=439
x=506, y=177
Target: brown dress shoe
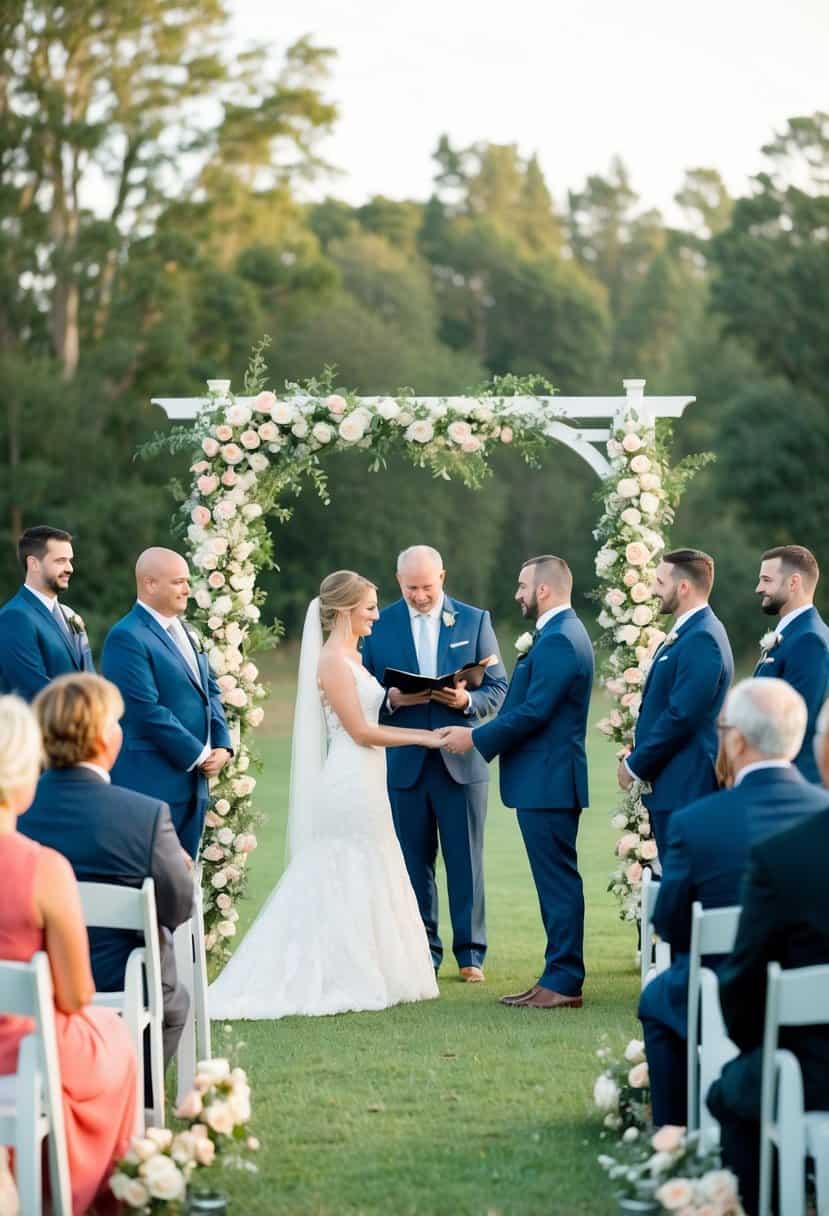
x=472, y=975
x=518, y=998
x=545, y=998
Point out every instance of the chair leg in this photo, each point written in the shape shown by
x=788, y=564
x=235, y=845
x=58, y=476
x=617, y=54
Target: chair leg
x=819, y=1151
x=185, y=970
x=27, y=1148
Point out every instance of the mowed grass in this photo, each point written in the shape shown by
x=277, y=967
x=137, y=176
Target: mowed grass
x=453, y=1106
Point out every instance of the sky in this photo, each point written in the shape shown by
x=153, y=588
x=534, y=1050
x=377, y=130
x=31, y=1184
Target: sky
x=666, y=86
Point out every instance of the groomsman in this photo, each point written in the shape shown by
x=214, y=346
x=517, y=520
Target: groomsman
x=175, y=733
x=40, y=637
x=675, y=747
x=539, y=735
x=797, y=651
x=433, y=794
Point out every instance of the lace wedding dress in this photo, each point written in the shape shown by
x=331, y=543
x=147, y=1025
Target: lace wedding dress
x=342, y=930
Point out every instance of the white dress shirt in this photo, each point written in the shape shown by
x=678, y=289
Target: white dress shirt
x=756, y=766
x=165, y=622
x=548, y=616
x=433, y=622
x=785, y=621
x=96, y=769
x=48, y=601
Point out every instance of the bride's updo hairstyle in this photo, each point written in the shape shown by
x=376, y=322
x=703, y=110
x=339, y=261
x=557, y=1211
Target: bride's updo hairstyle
x=342, y=591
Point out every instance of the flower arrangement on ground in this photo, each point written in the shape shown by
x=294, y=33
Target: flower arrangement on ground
x=622, y=1090
x=156, y=1171
x=669, y=1169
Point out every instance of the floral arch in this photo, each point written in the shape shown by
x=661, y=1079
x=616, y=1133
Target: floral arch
x=252, y=450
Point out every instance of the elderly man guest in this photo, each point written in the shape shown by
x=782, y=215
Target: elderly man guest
x=432, y=793
x=785, y=919
x=762, y=728
x=108, y=834
x=175, y=733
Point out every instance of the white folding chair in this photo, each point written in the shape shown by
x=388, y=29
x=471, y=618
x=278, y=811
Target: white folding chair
x=191, y=966
x=107, y=906
x=713, y=931
x=31, y=1101
x=798, y=997
x=715, y=1051
x=655, y=955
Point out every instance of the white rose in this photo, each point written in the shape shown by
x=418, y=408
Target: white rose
x=460, y=405
x=219, y=1118
x=420, y=431
x=649, y=503
x=628, y=487
x=222, y=605
x=650, y=481
x=606, y=1094
x=300, y=428
x=135, y=1194
x=252, y=612
x=237, y=415
x=163, y=1179
x=631, y=442
x=216, y=1069
x=353, y=427
x=322, y=432
x=635, y=1052
x=642, y=615
x=258, y=462
x=203, y=598
x=243, y=786
x=618, y=822
x=252, y=511
x=631, y=516
x=226, y=928
x=388, y=409
x=283, y=412
x=628, y=635
x=256, y=716
x=640, y=463
x=459, y=432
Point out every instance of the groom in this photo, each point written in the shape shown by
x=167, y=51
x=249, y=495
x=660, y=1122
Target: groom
x=430, y=792
x=539, y=735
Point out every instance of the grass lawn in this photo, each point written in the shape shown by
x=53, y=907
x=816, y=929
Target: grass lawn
x=453, y=1106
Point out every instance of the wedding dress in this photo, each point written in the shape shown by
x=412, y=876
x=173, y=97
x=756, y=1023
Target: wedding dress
x=342, y=930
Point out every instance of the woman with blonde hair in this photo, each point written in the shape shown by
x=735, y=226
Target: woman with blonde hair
x=342, y=930
x=40, y=909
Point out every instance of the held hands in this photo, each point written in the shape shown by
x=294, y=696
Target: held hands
x=453, y=698
x=215, y=762
x=456, y=739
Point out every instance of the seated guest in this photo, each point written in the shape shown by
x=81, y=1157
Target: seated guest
x=762, y=728
x=109, y=834
x=40, y=909
x=785, y=919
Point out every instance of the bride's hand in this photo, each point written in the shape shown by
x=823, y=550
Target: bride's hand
x=433, y=739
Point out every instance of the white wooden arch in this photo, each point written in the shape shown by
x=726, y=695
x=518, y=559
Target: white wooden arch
x=581, y=423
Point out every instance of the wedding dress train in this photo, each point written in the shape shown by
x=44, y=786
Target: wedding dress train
x=342, y=930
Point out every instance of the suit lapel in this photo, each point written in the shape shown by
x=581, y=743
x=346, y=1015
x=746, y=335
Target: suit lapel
x=164, y=637
x=444, y=636
x=689, y=627
x=33, y=603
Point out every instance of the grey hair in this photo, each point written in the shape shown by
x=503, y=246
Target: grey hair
x=770, y=715
x=421, y=551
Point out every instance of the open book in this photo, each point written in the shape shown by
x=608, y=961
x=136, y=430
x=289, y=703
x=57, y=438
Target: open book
x=411, y=681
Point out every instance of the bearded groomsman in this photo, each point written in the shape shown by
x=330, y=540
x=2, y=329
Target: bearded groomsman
x=675, y=748
x=797, y=651
x=433, y=794
x=175, y=733
x=40, y=637
x=539, y=735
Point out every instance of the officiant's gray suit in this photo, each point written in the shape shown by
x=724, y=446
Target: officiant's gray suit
x=434, y=794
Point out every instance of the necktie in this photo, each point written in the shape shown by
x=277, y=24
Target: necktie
x=57, y=613
x=177, y=633
x=423, y=645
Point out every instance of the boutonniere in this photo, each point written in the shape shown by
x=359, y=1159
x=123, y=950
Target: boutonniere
x=523, y=644
x=448, y=618
x=74, y=620
x=194, y=636
x=669, y=640
x=769, y=640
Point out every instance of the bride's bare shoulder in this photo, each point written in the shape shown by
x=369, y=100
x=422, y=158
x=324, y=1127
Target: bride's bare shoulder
x=334, y=664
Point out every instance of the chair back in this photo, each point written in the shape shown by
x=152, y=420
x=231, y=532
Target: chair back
x=26, y=990
x=649, y=895
x=713, y=931
x=795, y=997
x=107, y=906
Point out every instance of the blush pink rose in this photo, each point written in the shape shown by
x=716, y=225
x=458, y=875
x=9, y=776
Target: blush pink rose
x=200, y=516
x=506, y=435
x=648, y=850
x=636, y=554
x=630, y=577
x=668, y=1138
x=249, y=439
x=640, y=592
x=638, y=1076
x=626, y=844
x=615, y=598
x=207, y=484
x=215, y=579
x=640, y=464
x=209, y=446
x=232, y=453
x=224, y=432
x=631, y=443
x=632, y=675
x=265, y=402
x=336, y=404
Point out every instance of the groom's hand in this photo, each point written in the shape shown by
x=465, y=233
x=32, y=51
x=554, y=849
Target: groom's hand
x=215, y=762
x=625, y=779
x=398, y=699
x=453, y=698
x=456, y=739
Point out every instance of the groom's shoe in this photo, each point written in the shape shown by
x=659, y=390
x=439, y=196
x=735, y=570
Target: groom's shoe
x=546, y=998
x=471, y=975
x=518, y=998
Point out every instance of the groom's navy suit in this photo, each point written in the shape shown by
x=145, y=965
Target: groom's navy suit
x=676, y=740
x=708, y=848
x=539, y=735
x=34, y=648
x=801, y=658
x=434, y=792
x=169, y=716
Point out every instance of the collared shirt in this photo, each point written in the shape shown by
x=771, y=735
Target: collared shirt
x=48, y=601
x=165, y=622
x=686, y=616
x=757, y=766
x=433, y=629
x=96, y=769
x=548, y=616
x=786, y=620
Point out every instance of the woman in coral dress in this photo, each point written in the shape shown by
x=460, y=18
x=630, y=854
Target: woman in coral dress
x=40, y=910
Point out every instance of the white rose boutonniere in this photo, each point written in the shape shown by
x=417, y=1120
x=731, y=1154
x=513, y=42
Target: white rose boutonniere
x=769, y=640
x=75, y=621
x=523, y=644
x=194, y=636
x=448, y=618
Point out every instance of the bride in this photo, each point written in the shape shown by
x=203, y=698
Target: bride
x=342, y=930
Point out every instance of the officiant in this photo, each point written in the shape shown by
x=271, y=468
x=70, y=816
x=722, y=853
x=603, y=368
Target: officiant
x=436, y=796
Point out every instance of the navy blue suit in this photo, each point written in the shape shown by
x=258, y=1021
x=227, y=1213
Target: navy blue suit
x=676, y=743
x=708, y=848
x=169, y=716
x=34, y=649
x=539, y=735
x=801, y=658
x=434, y=792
